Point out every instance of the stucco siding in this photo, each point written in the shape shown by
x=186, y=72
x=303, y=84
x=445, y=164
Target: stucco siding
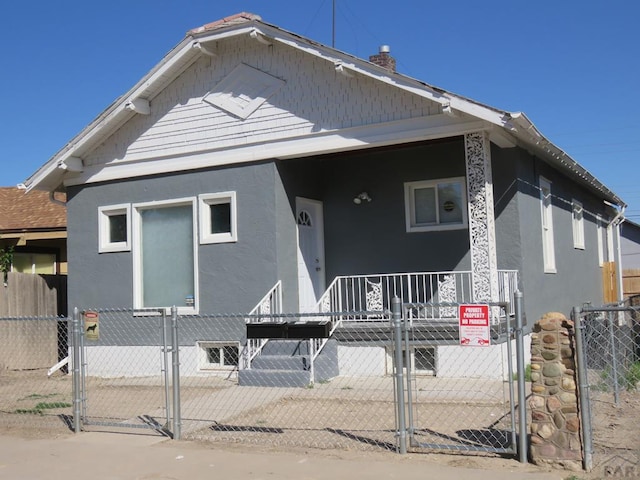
x=578, y=275
x=372, y=237
x=232, y=276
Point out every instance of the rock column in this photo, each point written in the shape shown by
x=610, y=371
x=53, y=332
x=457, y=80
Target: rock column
x=555, y=426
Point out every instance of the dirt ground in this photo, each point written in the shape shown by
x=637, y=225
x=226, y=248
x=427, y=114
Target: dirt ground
x=349, y=421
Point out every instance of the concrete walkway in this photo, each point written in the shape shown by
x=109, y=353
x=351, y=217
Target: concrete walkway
x=108, y=456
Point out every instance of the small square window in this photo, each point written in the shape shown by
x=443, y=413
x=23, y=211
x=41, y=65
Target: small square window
x=218, y=217
x=114, y=228
x=218, y=355
x=435, y=205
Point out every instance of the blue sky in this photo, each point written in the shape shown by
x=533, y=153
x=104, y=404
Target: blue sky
x=573, y=67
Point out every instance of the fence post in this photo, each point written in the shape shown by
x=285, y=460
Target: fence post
x=523, y=446
x=583, y=392
x=77, y=391
x=396, y=311
x=614, y=358
x=175, y=355
x=165, y=367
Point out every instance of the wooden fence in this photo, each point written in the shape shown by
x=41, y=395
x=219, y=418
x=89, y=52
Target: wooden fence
x=39, y=340
x=631, y=282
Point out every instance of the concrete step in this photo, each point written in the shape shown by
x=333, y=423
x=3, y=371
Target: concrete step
x=280, y=362
x=273, y=378
x=286, y=347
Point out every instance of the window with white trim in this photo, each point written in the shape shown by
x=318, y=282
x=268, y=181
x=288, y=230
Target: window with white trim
x=165, y=255
x=217, y=217
x=114, y=228
x=435, y=205
x=548, y=245
x=577, y=219
x=601, y=232
x=218, y=355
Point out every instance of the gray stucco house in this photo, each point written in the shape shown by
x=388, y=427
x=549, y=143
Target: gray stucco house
x=254, y=161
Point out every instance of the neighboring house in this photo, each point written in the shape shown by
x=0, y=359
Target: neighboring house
x=630, y=257
x=251, y=157
x=36, y=228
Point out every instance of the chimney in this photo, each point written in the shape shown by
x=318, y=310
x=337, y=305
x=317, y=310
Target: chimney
x=383, y=59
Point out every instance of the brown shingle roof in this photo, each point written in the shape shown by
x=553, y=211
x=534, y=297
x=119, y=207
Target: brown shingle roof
x=236, y=19
x=31, y=211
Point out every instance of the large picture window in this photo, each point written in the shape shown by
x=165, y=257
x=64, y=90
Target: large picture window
x=165, y=272
x=435, y=205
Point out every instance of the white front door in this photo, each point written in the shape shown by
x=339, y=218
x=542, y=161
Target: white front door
x=311, y=280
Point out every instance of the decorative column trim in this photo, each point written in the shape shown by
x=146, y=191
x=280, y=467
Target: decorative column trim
x=482, y=231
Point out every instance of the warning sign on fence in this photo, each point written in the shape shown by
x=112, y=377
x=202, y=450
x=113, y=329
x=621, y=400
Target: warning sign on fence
x=474, y=325
x=91, y=319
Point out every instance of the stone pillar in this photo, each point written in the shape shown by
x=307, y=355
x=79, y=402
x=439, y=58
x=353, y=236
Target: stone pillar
x=555, y=426
x=482, y=232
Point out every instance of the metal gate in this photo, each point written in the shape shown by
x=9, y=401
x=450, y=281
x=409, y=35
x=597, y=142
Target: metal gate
x=608, y=366
x=121, y=361
x=456, y=396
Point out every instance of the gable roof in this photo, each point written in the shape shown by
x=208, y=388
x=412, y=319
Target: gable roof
x=506, y=128
x=29, y=212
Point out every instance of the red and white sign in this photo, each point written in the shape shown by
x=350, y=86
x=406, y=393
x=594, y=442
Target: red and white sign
x=474, y=325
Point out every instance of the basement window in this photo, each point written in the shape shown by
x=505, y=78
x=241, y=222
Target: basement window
x=114, y=228
x=218, y=355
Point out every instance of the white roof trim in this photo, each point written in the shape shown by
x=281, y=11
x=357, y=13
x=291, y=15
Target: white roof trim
x=426, y=128
x=49, y=177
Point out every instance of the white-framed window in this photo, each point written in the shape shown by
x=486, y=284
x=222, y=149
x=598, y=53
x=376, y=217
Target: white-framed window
x=165, y=255
x=601, y=232
x=217, y=217
x=218, y=355
x=435, y=205
x=577, y=220
x=423, y=360
x=548, y=244
x=114, y=228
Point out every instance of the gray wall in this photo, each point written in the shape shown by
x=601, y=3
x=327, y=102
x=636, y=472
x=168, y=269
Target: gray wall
x=372, y=237
x=630, y=245
x=232, y=276
x=578, y=278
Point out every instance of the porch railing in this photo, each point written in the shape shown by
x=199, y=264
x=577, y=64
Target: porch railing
x=269, y=305
x=433, y=290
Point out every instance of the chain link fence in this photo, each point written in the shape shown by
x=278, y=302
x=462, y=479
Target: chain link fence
x=470, y=405
x=35, y=390
x=609, y=362
x=335, y=380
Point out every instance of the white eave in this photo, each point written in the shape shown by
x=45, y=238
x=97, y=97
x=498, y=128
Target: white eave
x=505, y=127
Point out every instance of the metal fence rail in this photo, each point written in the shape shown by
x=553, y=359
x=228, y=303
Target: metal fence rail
x=381, y=383
x=609, y=367
x=35, y=390
x=125, y=368
x=470, y=406
x=341, y=398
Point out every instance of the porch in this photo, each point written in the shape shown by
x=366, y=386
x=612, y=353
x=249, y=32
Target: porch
x=357, y=307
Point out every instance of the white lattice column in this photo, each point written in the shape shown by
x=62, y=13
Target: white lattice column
x=482, y=231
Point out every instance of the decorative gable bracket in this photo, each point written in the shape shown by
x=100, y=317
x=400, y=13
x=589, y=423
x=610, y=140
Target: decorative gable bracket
x=139, y=105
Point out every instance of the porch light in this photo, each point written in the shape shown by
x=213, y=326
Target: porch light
x=362, y=197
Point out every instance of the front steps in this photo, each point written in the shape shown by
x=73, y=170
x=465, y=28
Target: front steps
x=286, y=363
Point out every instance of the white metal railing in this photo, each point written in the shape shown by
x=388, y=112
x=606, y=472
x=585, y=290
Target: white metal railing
x=366, y=294
x=269, y=305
